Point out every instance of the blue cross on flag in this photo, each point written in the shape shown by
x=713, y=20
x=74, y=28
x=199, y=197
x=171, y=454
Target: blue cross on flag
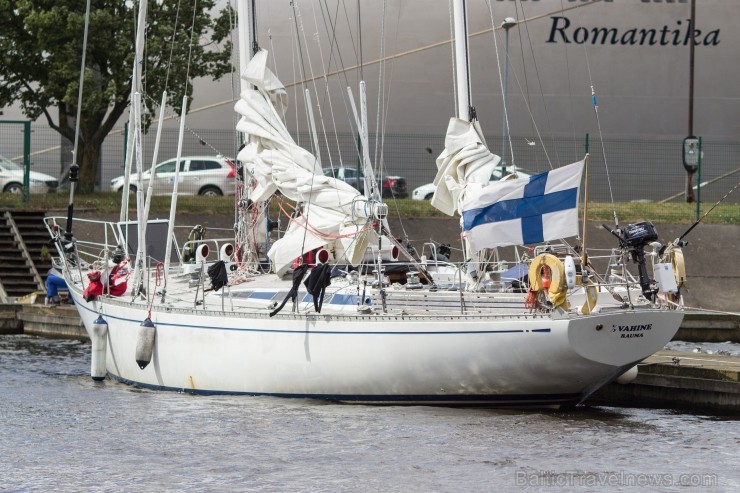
x=528, y=210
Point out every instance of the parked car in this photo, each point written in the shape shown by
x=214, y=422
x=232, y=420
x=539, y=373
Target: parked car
x=11, y=179
x=426, y=192
x=390, y=186
x=199, y=175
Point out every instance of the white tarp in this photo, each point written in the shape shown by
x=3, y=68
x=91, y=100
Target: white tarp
x=332, y=210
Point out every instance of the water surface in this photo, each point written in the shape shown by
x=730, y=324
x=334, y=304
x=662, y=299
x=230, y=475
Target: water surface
x=60, y=431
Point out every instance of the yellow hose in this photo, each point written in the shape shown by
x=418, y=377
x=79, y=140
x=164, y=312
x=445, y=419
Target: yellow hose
x=591, y=297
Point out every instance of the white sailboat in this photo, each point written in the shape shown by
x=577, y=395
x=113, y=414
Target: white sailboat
x=443, y=334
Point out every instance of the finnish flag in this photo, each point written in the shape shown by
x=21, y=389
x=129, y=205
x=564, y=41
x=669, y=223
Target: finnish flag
x=524, y=211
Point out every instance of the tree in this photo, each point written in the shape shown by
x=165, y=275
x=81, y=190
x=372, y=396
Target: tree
x=41, y=52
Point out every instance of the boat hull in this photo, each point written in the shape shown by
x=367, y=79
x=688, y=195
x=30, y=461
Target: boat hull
x=380, y=359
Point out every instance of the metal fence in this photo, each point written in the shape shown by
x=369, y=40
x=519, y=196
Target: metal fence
x=647, y=170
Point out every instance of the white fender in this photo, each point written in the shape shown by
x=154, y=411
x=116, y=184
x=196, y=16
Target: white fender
x=570, y=272
x=145, y=343
x=99, y=341
x=628, y=376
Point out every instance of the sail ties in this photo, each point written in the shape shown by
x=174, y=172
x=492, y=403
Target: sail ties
x=292, y=295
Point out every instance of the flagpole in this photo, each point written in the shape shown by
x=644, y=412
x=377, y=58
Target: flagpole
x=584, y=255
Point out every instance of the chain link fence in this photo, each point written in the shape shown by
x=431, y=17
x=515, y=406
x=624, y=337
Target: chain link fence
x=629, y=170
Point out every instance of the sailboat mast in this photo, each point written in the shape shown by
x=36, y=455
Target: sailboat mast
x=243, y=37
x=465, y=110
x=135, y=87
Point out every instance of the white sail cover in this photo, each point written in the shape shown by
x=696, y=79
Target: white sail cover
x=524, y=211
x=334, y=214
x=465, y=164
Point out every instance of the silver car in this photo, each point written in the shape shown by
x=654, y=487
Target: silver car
x=199, y=175
x=426, y=192
x=11, y=179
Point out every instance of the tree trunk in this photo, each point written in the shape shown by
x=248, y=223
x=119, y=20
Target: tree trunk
x=90, y=153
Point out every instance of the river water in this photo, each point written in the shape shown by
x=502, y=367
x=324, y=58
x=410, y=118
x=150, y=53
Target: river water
x=60, y=431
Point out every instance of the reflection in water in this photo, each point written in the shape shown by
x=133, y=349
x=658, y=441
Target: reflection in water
x=61, y=431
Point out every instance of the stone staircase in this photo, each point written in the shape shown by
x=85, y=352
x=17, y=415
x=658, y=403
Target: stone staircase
x=24, y=259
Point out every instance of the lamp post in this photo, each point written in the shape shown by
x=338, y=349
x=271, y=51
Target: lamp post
x=508, y=23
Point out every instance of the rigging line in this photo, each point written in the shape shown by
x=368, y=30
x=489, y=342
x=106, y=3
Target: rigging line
x=326, y=96
x=298, y=45
x=344, y=70
x=542, y=93
x=381, y=86
x=339, y=61
x=190, y=49
x=570, y=90
x=517, y=6
x=501, y=82
x=452, y=51
x=172, y=46
x=234, y=80
x=383, y=130
x=445, y=42
x=273, y=55
x=706, y=214
x=174, y=116
x=387, y=98
x=313, y=139
x=81, y=84
x=331, y=28
x=601, y=137
x=332, y=38
x=317, y=151
x=351, y=36
x=529, y=112
x=359, y=37
x=335, y=43
x=255, y=46
x=238, y=140
x=293, y=48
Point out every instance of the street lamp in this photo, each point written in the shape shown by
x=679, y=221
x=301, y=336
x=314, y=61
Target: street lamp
x=508, y=23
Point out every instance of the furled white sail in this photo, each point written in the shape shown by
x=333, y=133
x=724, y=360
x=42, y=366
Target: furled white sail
x=334, y=215
x=465, y=163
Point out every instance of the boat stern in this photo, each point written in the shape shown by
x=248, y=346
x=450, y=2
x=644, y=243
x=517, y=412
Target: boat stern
x=623, y=338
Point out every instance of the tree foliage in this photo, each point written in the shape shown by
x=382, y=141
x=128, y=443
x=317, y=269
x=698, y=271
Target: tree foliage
x=41, y=53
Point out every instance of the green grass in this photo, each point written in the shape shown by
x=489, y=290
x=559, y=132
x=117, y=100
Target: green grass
x=674, y=212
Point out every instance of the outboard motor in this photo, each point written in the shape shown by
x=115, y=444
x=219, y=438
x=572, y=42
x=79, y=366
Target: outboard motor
x=634, y=237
